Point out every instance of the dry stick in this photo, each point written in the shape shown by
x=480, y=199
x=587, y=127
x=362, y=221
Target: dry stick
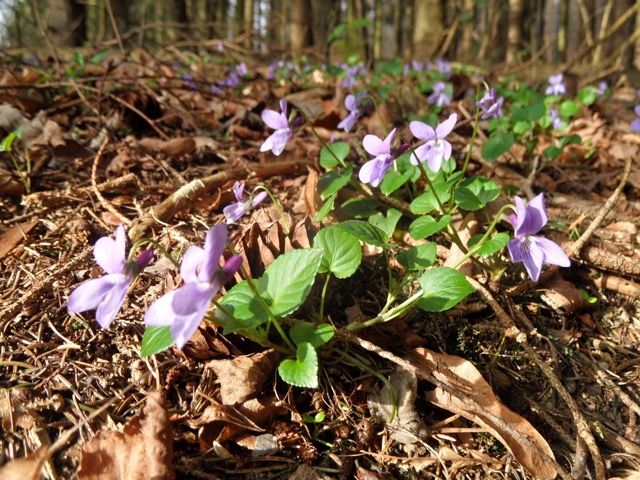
x=69, y=195
x=187, y=194
x=94, y=185
x=602, y=31
x=422, y=373
x=114, y=25
x=578, y=245
x=512, y=330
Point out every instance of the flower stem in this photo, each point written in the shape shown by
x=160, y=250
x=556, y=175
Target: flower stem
x=323, y=295
x=276, y=204
x=149, y=241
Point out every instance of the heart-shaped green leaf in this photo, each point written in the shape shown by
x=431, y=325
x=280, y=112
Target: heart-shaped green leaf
x=386, y=223
x=474, y=193
x=364, y=232
x=418, y=257
x=155, y=339
x=308, y=332
x=426, y=226
x=303, y=370
x=246, y=310
x=496, y=243
x=443, y=289
x=342, y=252
x=333, y=154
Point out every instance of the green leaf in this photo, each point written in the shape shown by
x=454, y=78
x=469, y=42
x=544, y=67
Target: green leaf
x=427, y=202
x=497, y=144
x=317, y=418
x=418, y=257
x=155, y=339
x=521, y=127
x=496, y=243
x=358, y=208
x=330, y=183
x=364, y=232
x=342, y=253
x=308, y=332
x=443, y=289
x=386, y=223
x=287, y=281
x=529, y=113
x=7, y=142
x=475, y=192
x=426, y=226
x=570, y=140
x=569, y=108
x=303, y=371
x=393, y=180
x=340, y=152
x=587, y=95
x=326, y=208
x=552, y=152
x=244, y=305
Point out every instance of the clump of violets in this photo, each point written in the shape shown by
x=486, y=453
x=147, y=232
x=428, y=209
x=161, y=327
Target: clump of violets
x=490, y=104
x=556, y=85
x=373, y=171
x=107, y=293
x=439, y=96
x=352, y=104
x=189, y=81
x=278, y=121
x=443, y=66
x=436, y=148
x=183, y=309
x=529, y=249
x=351, y=74
x=243, y=203
x=635, y=125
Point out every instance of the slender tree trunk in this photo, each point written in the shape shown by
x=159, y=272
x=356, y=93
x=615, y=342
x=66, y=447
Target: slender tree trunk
x=66, y=22
x=248, y=22
x=551, y=30
x=575, y=29
x=300, y=25
x=465, y=47
x=387, y=42
x=427, y=27
x=514, y=32
x=321, y=14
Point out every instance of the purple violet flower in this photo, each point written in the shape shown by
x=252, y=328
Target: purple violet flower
x=531, y=250
x=602, y=88
x=243, y=204
x=556, y=85
x=491, y=104
x=436, y=149
x=443, y=66
x=106, y=294
x=635, y=125
x=373, y=171
x=280, y=123
x=351, y=103
x=556, y=121
x=241, y=69
x=439, y=97
x=183, y=309
x=189, y=81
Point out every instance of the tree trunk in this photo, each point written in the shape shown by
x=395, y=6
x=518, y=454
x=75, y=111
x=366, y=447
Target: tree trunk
x=575, y=29
x=300, y=25
x=465, y=48
x=514, y=31
x=321, y=14
x=427, y=27
x=248, y=22
x=66, y=22
x=551, y=30
x=388, y=41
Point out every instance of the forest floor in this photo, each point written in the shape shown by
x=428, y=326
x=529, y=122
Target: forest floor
x=113, y=142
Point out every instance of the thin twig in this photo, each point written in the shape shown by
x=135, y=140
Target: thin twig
x=94, y=185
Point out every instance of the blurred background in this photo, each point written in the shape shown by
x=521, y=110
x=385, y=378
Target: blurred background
x=573, y=33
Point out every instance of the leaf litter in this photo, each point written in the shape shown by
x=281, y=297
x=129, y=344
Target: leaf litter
x=231, y=408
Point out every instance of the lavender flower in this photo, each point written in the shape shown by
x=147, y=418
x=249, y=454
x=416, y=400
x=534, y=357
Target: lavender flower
x=280, y=123
x=556, y=122
x=183, y=309
x=436, y=149
x=241, y=69
x=351, y=103
x=490, y=104
x=232, y=80
x=351, y=74
x=106, y=294
x=373, y=171
x=443, y=66
x=556, y=85
x=602, y=88
x=189, y=81
x=525, y=247
x=243, y=204
x=635, y=125
x=439, y=97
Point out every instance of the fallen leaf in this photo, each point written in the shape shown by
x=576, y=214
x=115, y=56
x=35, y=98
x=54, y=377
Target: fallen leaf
x=175, y=147
x=462, y=375
x=242, y=377
x=560, y=294
x=142, y=451
x=12, y=237
x=259, y=445
x=406, y=427
x=26, y=468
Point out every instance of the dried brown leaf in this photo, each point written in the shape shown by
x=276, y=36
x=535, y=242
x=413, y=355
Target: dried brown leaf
x=175, y=147
x=27, y=468
x=142, y=451
x=560, y=294
x=12, y=237
x=242, y=377
x=463, y=375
